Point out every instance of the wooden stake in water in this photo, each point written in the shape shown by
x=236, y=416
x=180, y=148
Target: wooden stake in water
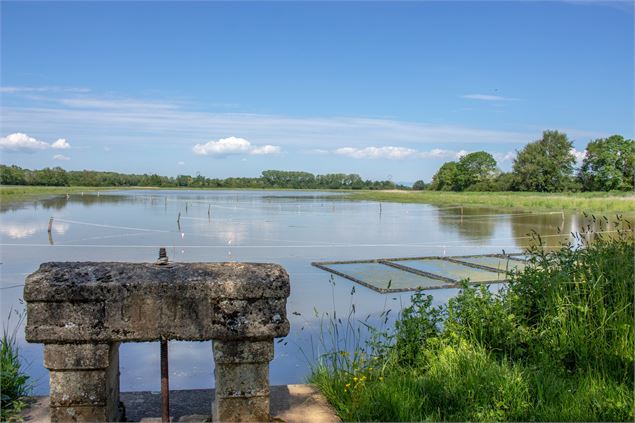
x=50, y=224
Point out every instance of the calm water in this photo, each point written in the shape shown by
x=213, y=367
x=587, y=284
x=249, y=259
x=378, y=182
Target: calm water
x=289, y=228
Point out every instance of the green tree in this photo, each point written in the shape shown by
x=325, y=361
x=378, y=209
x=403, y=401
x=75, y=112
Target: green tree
x=608, y=164
x=446, y=178
x=473, y=168
x=12, y=175
x=419, y=185
x=544, y=165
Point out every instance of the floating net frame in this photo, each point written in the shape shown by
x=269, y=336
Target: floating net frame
x=445, y=281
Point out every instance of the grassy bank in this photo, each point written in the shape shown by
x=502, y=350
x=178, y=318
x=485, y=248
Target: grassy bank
x=555, y=345
x=598, y=202
x=27, y=192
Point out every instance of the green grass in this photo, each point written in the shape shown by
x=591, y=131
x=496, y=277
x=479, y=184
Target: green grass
x=597, y=202
x=15, y=384
x=555, y=345
x=27, y=192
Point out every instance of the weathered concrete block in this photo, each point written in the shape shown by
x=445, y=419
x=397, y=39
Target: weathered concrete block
x=76, y=356
x=242, y=380
x=243, y=352
x=80, y=414
x=88, y=393
x=83, y=310
x=137, y=302
x=245, y=409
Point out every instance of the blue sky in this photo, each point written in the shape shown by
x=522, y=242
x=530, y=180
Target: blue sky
x=383, y=89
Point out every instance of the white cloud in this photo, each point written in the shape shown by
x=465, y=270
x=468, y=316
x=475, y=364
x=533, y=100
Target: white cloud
x=232, y=145
x=388, y=152
x=116, y=104
x=60, y=157
x=265, y=149
x=18, y=90
x=504, y=157
x=397, y=153
x=487, y=97
x=579, y=155
x=181, y=163
x=21, y=142
x=460, y=154
x=61, y=144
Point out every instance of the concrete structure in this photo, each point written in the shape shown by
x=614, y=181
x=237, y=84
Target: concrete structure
x=81, y=311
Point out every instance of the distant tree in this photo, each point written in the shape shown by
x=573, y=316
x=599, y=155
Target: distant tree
x=12, y=175
x=419, y=185
x=446, y=178
x=477, y=167
x=51, y=177
x=608, y=164
x=544, y=165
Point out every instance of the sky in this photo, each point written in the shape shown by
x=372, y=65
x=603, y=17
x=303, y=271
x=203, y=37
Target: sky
x=388, y=90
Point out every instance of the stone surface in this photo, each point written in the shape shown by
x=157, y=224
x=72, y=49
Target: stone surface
x=289, y=403
x=84, y=394
x=245, y=409
x=242, y=380
x=76, y=356
x=134, y=302
x=82, y=310
x=243, y=352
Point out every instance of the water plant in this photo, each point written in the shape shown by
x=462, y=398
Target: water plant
x=15, y=384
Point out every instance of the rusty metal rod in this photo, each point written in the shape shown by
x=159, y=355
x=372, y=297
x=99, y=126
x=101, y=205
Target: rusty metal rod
x=165, y=383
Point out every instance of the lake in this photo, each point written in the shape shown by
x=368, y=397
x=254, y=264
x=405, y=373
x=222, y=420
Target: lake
x=291, y=228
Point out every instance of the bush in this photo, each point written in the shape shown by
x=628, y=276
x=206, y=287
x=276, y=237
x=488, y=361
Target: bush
x=556, y=344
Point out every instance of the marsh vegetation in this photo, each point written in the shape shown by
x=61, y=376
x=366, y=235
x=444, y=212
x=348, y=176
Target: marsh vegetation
x=556, y=344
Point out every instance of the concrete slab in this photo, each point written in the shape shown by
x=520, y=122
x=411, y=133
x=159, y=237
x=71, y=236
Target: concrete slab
x=289, y=403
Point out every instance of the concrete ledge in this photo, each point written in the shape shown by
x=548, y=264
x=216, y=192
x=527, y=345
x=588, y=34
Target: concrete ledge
x=289, y=403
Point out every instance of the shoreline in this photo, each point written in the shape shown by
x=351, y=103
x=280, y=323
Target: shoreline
x=602, y=202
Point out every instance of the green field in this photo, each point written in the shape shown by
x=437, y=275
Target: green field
x=25, y=192
x=584, y=201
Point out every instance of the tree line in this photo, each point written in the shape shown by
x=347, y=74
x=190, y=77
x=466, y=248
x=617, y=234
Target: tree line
x=545, y=165
x=15, y=175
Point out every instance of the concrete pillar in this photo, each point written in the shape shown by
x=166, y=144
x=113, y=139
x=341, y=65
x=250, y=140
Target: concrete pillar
x=242, y=380
x=84, y=382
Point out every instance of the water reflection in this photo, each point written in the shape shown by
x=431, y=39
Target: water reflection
x=472, y=223
x=289, y=228
x=21, y=230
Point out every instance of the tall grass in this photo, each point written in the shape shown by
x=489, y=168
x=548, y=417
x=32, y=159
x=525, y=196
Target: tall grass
x=15, y=385
x=602, y=202
x=556, y=344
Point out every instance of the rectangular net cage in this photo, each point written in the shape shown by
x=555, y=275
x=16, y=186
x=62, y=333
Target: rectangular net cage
x=421, y=273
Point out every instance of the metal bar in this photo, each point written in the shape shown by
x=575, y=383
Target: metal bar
x=165, y=383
